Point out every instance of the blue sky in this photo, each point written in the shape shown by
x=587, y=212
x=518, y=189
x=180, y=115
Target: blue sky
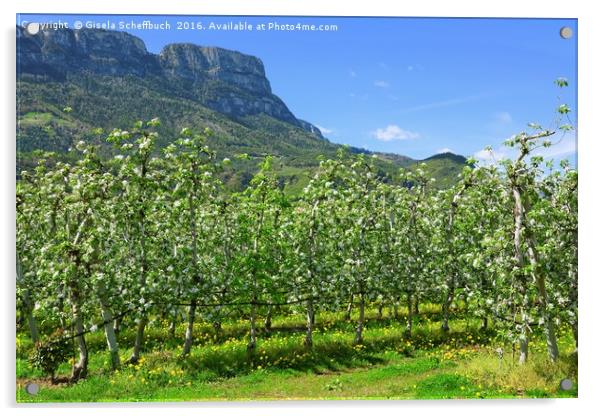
x=413, y=86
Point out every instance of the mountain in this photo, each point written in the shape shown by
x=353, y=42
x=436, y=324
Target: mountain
x=109, y=80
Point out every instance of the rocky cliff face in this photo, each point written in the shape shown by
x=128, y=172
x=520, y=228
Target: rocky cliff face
x=199, y=63
x=226, y=81
x=56, y=53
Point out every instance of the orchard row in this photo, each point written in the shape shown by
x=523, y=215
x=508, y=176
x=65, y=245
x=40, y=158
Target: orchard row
x=151, y=232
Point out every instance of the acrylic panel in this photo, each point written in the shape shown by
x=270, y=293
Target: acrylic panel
x=246, y=208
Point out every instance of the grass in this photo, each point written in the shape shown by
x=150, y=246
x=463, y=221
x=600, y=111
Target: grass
x=430, y=365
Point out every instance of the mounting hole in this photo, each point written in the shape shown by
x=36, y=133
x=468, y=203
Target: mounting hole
x=566, y=32
x=32, y=28
x=32, y=388
x=566, y=384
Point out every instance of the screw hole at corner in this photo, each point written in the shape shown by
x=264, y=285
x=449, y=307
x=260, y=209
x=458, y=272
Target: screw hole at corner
x=566, y=384
x=32, y=388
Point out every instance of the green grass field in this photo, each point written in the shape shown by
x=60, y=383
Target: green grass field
x=430, y=365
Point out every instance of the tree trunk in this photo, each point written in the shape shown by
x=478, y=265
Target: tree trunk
x=217, y=327
x=573, y=296
x=417, y=305
x=484, y=324
x=33, y=326
x=446, y=306
x=549, y=327
x=519, y=259
x=267, y=323
x=107, y=318
x=410, y=315
x=524, y=346
x=349, y=309
x=379, y=313
x=172, y=325
x=139, y=341
x=309, y=342
x=520, y=212
x=117, y=325
x=360, y=323
x=188, y=338
x=253, y=332
x=80, y=369
x=189, y=328
x=31, y=319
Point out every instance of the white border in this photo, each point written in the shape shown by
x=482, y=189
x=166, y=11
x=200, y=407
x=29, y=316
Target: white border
x=590, y=154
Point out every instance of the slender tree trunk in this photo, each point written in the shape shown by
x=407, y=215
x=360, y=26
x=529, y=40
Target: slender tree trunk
x=253, y=332
x=417, y=305
x=61, y=308
x=521, y=212
x=484, y=324
x=360, y=322
x=217, y=327
x=172, y=325
x=189, y=329
x=107, y=318
x=349, y=309
x=379, y=313
x=523, y=346
x=31, y=319
x=33, y=326
x=139, y=340
x=267, y=323
x=519, y=259
x=188, y=338
x=80, y=369
x=549, y=327
x=573, y=296
x=446, y=305
x=117, y=325
x=253, y=315
x=410, y=315
x=309, y=342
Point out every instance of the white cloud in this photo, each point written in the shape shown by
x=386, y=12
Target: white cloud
x=381, y=84
x=394, y=132
x=352, y=73
x=445, y=150
x=410, y=67
x=503, y=117
x=324, y=130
